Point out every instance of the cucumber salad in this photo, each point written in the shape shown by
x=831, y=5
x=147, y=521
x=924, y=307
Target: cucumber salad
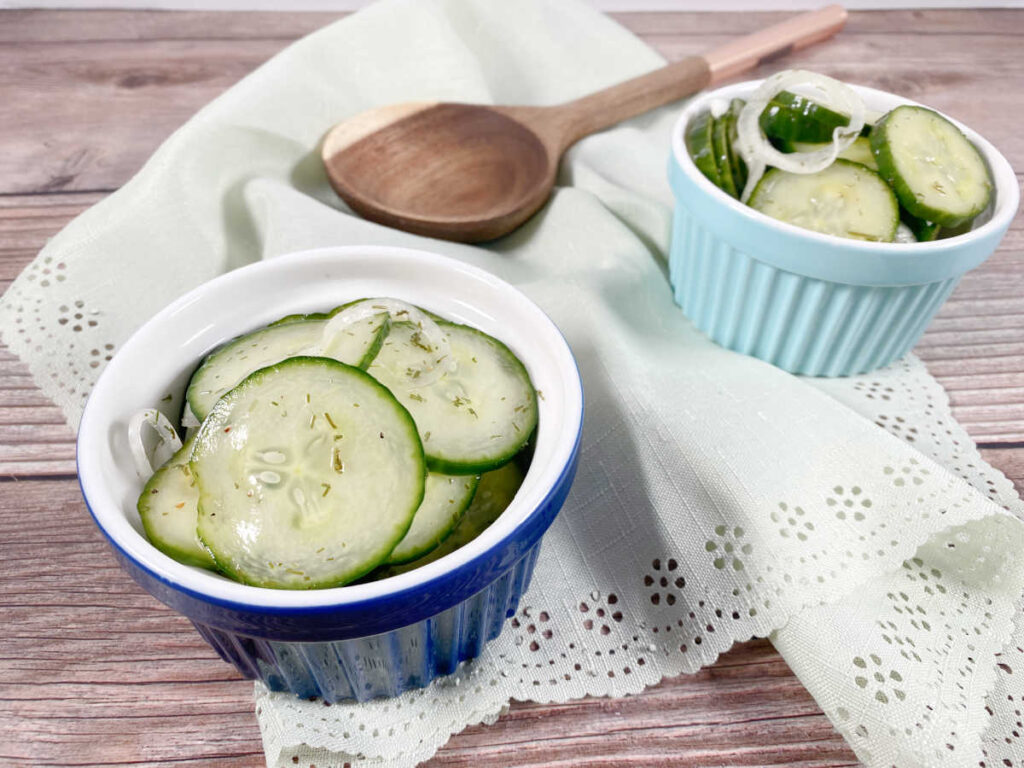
x=804, y=149
x=330, y=447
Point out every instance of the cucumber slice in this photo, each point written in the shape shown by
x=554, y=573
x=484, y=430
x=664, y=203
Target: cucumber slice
x=292, y=318
x=359, y=343
x=227, y=366
x=309, y=474
x=700, y=144
x=937, y=173
x=947, y=232
x=445, y=499
x=493, y=495
x=846, y=199
x=791, y=117
x=739, y=168
x=471, y=420
x=167, y=506
x=858, y=152
x=720, y=142
x=924, y=231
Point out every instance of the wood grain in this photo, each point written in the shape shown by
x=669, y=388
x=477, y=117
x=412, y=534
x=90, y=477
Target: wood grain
x=95, y=672
x=56, y=27
x=94, y=88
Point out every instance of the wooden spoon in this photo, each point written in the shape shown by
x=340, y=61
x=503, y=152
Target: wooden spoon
x=471, y=172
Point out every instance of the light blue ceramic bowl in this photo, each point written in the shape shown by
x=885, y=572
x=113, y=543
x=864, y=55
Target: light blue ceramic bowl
x=811, y=303
x=365, y=640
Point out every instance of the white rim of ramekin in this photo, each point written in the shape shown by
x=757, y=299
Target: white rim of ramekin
x=536, y=489
x=1007, y=193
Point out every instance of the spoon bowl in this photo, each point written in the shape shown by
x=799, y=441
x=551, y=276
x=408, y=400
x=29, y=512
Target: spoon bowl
x=472, y=172
x=456, y=171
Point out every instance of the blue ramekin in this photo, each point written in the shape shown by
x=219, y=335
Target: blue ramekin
x=366, y=640
x=806, y=302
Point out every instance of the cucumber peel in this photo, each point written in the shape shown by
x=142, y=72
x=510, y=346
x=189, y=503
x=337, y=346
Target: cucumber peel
x=700, y=144
x=937, y=173
x=445, y=500
x=791, y=117
x=495, y=492
x=168, y=508
x=472, y=419
x=309, y=474
x=723, y=162
x=846, y=199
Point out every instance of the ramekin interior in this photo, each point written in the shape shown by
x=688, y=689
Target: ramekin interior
x=1007, y=194
x=158, y=359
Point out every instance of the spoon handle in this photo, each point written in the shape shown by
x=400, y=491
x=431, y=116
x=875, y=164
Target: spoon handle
x=599, y=110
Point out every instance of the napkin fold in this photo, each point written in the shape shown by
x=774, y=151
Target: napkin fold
x=717, y=499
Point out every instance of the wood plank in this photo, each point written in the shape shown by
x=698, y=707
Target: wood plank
x=59, y=26
x=131, y=676
x=108, y=105
x=77, y=26
x=134, y=682
x=94, y=92
x=905, y=23
x=126, y=679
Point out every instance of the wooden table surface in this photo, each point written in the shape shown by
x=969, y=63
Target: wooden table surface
x=93, y=671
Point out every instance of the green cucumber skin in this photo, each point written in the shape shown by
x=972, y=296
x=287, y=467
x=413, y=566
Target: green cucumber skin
x=378, y=342
x=720, y=142
x=763, y=183
x=924, y=231
x=211, y=423
x=211, y=356
x=200, y=559
x=739, y=167
x=495, y=491
x=298, y=317
x=887, y=168
x=449, y=464
x=947, y=232
x=791, y=117
x=448, y=467
x=699, y=143
x=417, y=554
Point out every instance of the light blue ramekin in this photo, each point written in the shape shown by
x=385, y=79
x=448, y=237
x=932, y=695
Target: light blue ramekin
x=806, y=302
x=364, y=640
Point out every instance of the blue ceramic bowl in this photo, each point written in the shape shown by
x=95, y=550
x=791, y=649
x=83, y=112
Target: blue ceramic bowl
x=365, y=640
x=807, y=302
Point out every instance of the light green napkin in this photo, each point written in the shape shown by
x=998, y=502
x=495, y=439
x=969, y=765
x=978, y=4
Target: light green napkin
x=717, y=498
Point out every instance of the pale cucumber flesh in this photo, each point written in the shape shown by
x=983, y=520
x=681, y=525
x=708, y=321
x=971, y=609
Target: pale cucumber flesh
x=846, y=199
x=168, y=509
x=227, y=366
x=309, y=474
x=472, y=419
x=445, y=499
x=937, y=173
x=495, y=492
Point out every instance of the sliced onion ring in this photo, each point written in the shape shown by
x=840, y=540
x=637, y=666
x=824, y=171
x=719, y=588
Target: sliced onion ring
x=904, y=234
x=400, y=311
x=188, y=418
x=167, y=441
x=757, y=151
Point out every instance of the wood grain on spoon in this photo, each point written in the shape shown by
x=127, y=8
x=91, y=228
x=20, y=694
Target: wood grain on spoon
x=473, y=172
